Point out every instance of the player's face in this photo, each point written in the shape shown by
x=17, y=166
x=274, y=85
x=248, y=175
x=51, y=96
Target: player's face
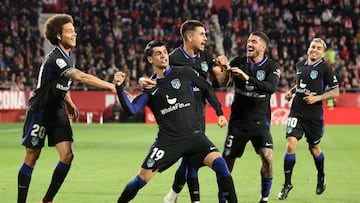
x=316, y=51
x=198, y=39
x=160, y=57
x=255, y=48
x=68, y=36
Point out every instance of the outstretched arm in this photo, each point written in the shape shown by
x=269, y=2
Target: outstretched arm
x=88, y=79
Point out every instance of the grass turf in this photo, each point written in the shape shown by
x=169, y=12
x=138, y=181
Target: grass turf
x=108, y=156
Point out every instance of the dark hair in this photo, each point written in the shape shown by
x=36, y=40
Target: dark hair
x=54, y=25
x=189, y=25
x=148, y=51
x=262, y=36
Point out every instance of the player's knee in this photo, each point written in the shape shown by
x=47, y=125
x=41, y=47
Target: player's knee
x=211, y=157
x=67, y=158
x=220, y=167
x=31, y=156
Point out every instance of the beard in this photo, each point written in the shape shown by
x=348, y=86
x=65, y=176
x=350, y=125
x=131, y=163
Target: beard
x=252, y=54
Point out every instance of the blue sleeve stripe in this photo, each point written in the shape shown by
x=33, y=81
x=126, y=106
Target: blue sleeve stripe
x=136, y=105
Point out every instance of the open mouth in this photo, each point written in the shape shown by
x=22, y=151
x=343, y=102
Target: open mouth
x=250, y=49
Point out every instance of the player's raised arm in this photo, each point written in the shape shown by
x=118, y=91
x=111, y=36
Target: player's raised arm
x=137, y=104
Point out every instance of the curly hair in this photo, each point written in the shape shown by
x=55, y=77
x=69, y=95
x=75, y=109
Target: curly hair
x=54, y=25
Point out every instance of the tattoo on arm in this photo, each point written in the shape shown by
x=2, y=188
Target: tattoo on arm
x=331, y=94
x=72, y=73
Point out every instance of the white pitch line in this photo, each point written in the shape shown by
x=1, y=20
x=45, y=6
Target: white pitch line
x=9, y=130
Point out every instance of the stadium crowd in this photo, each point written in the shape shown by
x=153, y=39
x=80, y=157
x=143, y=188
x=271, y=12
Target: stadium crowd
x=112, y=35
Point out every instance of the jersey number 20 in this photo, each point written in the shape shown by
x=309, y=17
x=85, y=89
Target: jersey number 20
x=38, y=131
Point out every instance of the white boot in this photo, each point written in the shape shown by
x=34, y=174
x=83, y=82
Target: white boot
x=171, y=196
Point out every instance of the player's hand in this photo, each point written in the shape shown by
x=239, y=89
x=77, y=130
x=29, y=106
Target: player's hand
x=237, y=72
x=119, y=78
x=222, y=122
x=310, y=98
x=222, y=62
x=146, y=83
x=73, y=111
x=288, y=96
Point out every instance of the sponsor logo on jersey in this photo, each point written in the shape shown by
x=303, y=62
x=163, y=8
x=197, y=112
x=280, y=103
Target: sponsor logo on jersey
x=249, y=87
x=154, y=92
x=317, y=141
x=213, y=148
x=335, y=79
x=268, y=144
x=173, y=105
x=302, y=85
x=171, y=100
x=277, y=72
x=62, y=87
x=61, y=63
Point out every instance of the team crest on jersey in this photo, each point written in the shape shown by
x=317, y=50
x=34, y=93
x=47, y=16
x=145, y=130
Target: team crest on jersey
x=314, y=74
x=34, y=141
x=227, y=151
x=61, y=63
x=289, y=130
x=176, y=84
x=260, y=75
x=204, y=66
x=150, y=163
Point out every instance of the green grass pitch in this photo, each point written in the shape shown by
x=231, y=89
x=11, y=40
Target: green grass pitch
x=108, y=156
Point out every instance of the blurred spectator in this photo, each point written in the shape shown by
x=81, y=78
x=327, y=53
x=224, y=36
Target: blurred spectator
x=111, y=34
x=227, y=43
x=116, y=112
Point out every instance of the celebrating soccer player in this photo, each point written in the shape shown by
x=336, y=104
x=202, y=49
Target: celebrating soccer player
x=173, y=104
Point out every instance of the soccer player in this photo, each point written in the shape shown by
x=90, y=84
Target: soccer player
x=306, y=113
x=173, y=104
x=46, y=112
x=256, y=78
x=192, y=53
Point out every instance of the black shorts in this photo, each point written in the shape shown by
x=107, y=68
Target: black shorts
x=238, y=136
x=165, y=152
x=312, y=128
x=55, y=125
